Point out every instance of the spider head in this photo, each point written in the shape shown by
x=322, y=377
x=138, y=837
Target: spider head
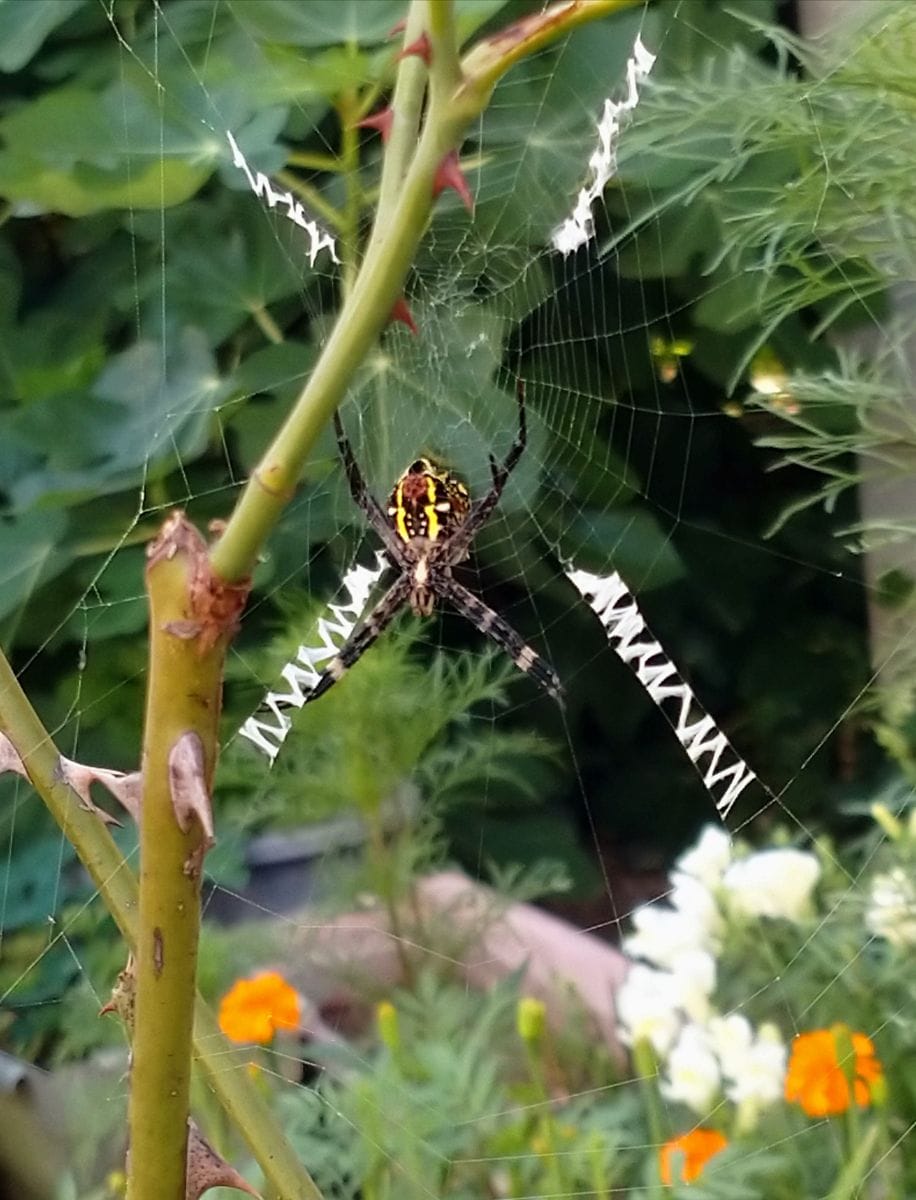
x=427, y=502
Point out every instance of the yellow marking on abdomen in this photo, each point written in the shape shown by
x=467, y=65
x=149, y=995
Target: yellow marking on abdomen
x=432, y=517
x=399, y=523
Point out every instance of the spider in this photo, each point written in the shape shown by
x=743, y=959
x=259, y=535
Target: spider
x=427, y=529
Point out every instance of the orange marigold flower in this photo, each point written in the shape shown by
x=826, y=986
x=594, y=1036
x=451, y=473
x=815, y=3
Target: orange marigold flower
x=817, y=1077
x=689, y=1154
x=254, y=1009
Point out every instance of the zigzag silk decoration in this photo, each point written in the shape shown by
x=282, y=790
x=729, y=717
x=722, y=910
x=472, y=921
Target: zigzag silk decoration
x=725, y=774
x=319, y=239
x=268, y=728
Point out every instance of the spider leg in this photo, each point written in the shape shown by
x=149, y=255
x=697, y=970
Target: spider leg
x=361, y=494
x=500, y=472
x=362, y=637
x=489, y=622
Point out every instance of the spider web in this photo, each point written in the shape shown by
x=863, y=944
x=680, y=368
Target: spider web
x=612, y=498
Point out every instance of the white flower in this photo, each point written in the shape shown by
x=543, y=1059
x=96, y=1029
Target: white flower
x=773, y=883
x=693, y=899
x=693, y=1071
x=693, y=978
x=645, y=1009
x=732, y=1038
x=754, y=1067
x=708, y=859
x=891, y=912
x=661, y=934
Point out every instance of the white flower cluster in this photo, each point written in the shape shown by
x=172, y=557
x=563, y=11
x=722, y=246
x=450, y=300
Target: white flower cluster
x=891, y=912
x=669, y=1001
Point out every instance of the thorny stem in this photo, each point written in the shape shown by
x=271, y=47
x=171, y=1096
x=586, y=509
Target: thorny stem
x=223, y=1066
x=453, y=103
x=182, y=709
x=406, y=108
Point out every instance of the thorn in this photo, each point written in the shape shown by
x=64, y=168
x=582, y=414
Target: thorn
x=381, y=120
x=398, y=28
x=401, y=312
x=421, y=48
x=450, y=175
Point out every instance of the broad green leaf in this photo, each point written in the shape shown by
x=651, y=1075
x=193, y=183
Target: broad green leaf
x=542, y=127
x=627, y=540
x=75, y=151
x=32, y=551
x=150, y=408
x=115, y=602
x=436, y=394
x=225, y=260
x=320, y=22
x=24, y=25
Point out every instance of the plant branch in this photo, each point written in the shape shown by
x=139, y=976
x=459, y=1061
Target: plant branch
x=223, y=1066
x=388, y=256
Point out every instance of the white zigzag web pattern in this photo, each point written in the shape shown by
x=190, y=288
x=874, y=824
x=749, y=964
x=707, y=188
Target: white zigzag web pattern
x=304, y=671
x=697, y=732
x=579, y=226
x=262, y=187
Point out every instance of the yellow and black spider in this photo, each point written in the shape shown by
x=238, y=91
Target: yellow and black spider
x=427, y=530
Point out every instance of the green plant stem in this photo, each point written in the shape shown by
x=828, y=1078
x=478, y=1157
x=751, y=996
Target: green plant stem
x=313, y=162
x=559, y=1185
x=454, y=102
x=183, y=699
x=223, y=1066
x=267, y=325
x=113, y=878
x=406, y=109
x=646, y=1065
x=348, y=107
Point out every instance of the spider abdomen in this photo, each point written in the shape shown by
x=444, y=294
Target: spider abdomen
x=427, y=502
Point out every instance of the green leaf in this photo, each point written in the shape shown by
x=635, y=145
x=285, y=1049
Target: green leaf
x=32, y=552
x=225, y=261
x=25, y=25
x=542, y=127
x=627, y=540
x=114, y=600
x=458, y=414
x=320, y=22
x=149, y=407
x=75, y=151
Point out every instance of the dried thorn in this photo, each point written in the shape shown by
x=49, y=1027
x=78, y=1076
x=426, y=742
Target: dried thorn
x=450, y=175
x=381, y=120
x=207, y=1169
x=401, y=312
x=191, y=796
x=421, y=48
x=9, y=757
x=123, y=996
x=126, y=789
